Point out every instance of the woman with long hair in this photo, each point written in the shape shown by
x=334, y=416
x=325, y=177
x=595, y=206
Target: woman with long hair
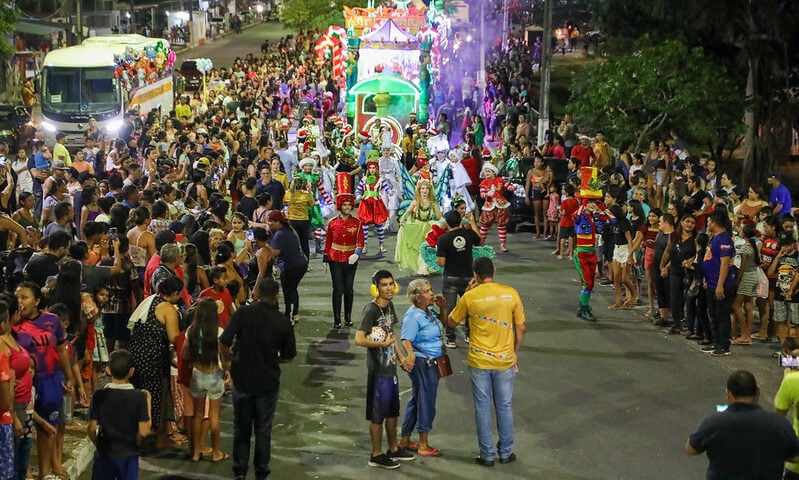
x=54, y=195
x=536, y=186
x=747, y=281
x=768, y=248
x=225, y=257
x=142, y=241
x=680, y=253
x=285, y=249
x=650, y=231
x=42, y=335
x=194, y=275
x=89, y=210
x=208, y=378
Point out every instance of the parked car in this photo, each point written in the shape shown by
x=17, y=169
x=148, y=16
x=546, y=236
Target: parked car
x=14, y=125
x=516, y=172
x=193, y=78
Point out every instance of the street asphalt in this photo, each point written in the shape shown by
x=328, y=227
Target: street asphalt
x=611, y=400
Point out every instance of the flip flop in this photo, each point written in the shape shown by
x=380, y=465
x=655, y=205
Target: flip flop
x=431, y=453
x=225, y=456
x=413, y=446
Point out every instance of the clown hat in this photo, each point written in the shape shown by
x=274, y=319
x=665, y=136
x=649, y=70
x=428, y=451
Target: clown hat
x=371, y=163
x=343, y=189
x=590, y=187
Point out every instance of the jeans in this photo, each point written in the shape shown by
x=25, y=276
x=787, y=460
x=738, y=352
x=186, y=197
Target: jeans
x=452, y=288
x=289, y=282
x=719, y=313
x=343, y=276
x=421, y=408
x=496, y=385
x=248, y=411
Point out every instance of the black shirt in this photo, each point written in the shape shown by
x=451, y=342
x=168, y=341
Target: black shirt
x=41, y=266
x=745, y=442
x=247, y=205
x=620, y=229
x=456, y=247
x=681, y=251
x=275, y=190
x=382, y=360
x=118, y=413
x=260, y=337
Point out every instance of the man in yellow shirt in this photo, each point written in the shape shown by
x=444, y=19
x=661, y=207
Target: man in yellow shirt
x=496, y=325
x=183, y=110
x=788, y=397
x=60, y=151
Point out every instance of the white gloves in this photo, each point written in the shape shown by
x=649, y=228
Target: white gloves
x=353, y=259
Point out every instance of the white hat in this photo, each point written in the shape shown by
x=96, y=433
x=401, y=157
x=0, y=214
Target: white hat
x=455, y=155
x=315, y=153
x=307, y=161
x=490, y=166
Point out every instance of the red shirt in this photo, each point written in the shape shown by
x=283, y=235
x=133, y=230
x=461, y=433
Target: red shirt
x=6, y=417
x=582, y=153
x=343, y=237
x=567, y=208
x=224, y=303
x=155, y=260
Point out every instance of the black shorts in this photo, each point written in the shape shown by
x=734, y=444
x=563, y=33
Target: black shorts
x=382, y=398
x=536, y=194
x=566, y=232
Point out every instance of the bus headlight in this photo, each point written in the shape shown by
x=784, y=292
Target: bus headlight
x=49, y=126
x=113, y=126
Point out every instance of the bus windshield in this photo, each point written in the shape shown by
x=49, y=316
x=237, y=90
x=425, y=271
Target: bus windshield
x=79, y=90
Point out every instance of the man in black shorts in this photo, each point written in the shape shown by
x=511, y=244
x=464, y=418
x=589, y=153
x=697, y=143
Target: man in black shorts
x=382, y=389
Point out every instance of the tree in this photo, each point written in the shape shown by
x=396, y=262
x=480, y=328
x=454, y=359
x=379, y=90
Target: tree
x=8, y=21
x=657, y=88
x=313, y=14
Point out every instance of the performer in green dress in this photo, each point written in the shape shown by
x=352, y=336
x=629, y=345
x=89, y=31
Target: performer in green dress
x=415, y=224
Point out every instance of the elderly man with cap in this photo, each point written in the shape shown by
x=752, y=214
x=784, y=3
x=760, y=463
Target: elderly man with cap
x=496, y=208
x=583, y=151
x=343, y=247
x=779, y=197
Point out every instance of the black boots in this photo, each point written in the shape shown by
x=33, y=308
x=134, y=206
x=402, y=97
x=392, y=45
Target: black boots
x=584, y=313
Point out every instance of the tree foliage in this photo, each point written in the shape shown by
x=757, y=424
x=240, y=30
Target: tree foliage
x=642, y=95
x=8, y=21
x=316, y=14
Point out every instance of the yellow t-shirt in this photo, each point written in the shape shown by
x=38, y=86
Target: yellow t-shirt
x=787, y=397
x=491, y=309
x=59, y=151
x=298, y=203
x=183, y=112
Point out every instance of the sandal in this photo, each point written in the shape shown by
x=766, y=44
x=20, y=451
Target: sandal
x=741, y=341
x=224, y=457
x=413, y=446
x=616, y=306
x=431, y=453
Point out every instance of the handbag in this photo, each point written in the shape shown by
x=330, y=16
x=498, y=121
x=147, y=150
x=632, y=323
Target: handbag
x=442, y=363
x=762, y=284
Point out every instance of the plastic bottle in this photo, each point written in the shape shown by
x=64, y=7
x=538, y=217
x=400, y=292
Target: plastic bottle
x=67, y=408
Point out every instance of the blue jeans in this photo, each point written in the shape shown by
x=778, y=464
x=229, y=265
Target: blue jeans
x=421, y=408
x=248, y=411
x=496, y=385
x=22, y=456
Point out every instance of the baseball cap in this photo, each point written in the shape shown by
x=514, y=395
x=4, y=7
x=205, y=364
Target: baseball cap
x=59, y=165
x=774, y=174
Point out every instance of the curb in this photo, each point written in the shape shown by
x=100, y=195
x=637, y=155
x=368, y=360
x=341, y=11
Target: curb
x=81, y=458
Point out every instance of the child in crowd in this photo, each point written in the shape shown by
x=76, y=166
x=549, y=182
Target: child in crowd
x=117, y=416
x=566, y=233
x=553, y=212
x=218, y=291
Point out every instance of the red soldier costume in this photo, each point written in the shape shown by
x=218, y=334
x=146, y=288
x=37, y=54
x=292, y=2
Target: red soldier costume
x=343, y=246
x=372, y=210
x=496, y=207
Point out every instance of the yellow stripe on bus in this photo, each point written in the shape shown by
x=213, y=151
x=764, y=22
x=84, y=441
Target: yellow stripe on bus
x=147, y=96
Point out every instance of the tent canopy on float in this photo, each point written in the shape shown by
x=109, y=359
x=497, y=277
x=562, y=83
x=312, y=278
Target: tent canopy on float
x=390, y=49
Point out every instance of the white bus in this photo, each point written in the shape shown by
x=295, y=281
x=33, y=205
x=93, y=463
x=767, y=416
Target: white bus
x=78, y=84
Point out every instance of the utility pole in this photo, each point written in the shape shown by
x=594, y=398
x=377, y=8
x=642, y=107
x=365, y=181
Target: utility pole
x=481, y=75
x=132, y=19
x=546, y=69
x=79, y=21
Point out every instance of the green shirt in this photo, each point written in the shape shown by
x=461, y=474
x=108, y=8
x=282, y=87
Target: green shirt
x=787, y=397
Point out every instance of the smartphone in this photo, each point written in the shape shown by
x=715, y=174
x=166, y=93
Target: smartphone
x=250, y=236
x=789, y=361
x=113, y=233
x=721, y=408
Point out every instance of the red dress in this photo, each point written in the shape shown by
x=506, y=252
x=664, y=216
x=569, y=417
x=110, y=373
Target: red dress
x=372, y=210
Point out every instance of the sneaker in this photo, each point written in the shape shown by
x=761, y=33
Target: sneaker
x=720, y=352
x=337, y=325
x=656, y=316
x=451, y=344
x=348, y=322
x=705, y=342
x=382, y=461
x=401, y=454
x=481, y=461
x=707, y=348
x=606, y=283
x=661, y=322
x=509, y=459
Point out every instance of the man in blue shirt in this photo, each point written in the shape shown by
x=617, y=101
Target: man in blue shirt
x=780, y=197
x=719, y=273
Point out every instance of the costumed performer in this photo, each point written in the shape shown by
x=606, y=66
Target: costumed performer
x=343, y=247
x=372, y=210
x=460, y=178
x=314, y=185
x=415, y=224
x=390, y=172
x=589, y=220
x=441, y=170
x=496, y=208
x=347, y=155
x=422, y=169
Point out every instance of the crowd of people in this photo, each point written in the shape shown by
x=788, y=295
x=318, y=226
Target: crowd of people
x=138, y=252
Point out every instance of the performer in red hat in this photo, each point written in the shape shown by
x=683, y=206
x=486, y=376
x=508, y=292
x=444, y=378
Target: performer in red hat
x=343, y=247
x=372, y=210
x=589, y=220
